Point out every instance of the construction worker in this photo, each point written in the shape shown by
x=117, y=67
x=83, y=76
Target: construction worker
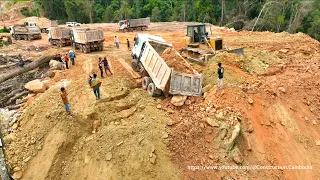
x=21, y=63
x=220, y=76
x=116, y=40
x=61, y=62
x=106, y=66
x=95, y=85
x=66, y=59
x=64, y=97
x=100, y=66
x=72, y=56
x=128, y=44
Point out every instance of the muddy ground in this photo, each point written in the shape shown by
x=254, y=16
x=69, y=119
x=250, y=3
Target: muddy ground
x=270, y=102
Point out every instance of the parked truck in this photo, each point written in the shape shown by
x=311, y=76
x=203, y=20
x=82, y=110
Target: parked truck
x=157, y=76
x=23, y=32
x=43, y=25
x=87, y=39
x=134, y=24
x=59, y=36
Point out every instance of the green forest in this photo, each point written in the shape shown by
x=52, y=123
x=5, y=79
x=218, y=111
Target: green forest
x=261, y=15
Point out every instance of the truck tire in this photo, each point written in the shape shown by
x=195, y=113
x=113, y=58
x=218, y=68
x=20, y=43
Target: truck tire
x=101, y=47
x=85, y=49
x=43, y=30
x=141, y=68
x=25, y=37
x=51, y=42
x=153, y=90
x=29, y=37
x=146, y=81
x=134, y=65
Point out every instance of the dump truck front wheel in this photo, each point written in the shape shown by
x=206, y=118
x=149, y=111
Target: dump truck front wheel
x=134, y=65
x=153, y=90
x=146, y=81
x=85, y=49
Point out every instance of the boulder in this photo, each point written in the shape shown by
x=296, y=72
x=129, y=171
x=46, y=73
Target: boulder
x=48, y=83
x=35, y=86
x=211, y=122
x=178, y=100
x=17, y=175
x=54, y=65
x=237, y=156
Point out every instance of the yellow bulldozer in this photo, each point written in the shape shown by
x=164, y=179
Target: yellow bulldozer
x=199, y=46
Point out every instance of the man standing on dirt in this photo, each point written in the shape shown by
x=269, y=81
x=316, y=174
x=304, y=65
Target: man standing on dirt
x=128, y=44
x=116, y=40
x=60, y=61
x=66, y=59
x=100, y=66
x=106, y=66
x=72, y=56
x=64, y=97
x=95, y=84
x=220, y=76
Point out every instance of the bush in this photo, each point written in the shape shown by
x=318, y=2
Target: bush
x=26, y=12
x=4, y=30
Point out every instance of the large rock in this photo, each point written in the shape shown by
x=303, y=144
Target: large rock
x=35, y=86
x=54, y=65
x=237, y=156
x=17, y=175
x=178, y=100
x=48, y=82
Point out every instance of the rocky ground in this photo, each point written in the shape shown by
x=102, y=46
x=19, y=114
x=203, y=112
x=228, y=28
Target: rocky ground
x=267, y=114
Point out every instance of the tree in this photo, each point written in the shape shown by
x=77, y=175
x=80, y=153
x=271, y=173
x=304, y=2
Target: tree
x=155, y=17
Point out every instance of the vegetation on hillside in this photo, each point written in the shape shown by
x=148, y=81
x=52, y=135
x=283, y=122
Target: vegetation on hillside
x=272, y=15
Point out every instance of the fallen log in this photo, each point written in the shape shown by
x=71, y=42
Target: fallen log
x=8, y=65
x=14, y=107
x=17, y=96
x=8, y=96
x=29, y=67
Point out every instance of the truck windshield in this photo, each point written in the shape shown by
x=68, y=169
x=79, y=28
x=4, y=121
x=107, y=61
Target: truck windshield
x=121, y=23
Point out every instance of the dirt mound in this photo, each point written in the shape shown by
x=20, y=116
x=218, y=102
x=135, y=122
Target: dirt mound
x=41, y=21
x=176, y=62
x=12, y=11
x=130, y=142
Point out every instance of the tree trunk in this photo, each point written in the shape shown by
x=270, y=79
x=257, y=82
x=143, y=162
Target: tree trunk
x=17, y=96
x=223, y=12
x=29, y=67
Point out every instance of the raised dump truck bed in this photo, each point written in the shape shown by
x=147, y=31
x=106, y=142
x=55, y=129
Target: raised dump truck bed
x=158, y=77
x=59, y=36
x=87, y=39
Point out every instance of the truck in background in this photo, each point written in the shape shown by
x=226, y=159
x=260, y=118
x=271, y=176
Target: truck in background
x=43, y=25
x=158, y=77
x=59, y=36
x=134, y=24
x=23, y=32
x=87, y=40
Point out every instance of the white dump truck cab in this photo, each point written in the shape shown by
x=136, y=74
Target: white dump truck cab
x=123, y=24
x=11, y=30
x=139, y=40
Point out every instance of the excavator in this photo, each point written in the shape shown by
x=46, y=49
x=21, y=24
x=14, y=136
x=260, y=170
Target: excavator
x=199, y=46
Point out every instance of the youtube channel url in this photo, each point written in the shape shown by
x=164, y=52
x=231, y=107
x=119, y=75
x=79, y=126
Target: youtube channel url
x=252, y=167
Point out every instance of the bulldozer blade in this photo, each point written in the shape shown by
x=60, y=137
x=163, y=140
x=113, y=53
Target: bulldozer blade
x=239, y=51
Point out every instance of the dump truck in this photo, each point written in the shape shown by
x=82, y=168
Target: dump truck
x=134, y=24
x=87, y=39
x=59, y=36
x=43, y=25
x=157, y=76
x=23, y=32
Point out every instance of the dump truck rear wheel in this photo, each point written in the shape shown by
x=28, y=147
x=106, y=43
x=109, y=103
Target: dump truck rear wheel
x=153, y=90
x=85, y=49
x=25, y=37
x=134, y=65
x=146, y=81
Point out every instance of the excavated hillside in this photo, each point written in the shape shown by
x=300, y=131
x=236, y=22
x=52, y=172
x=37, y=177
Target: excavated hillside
x=267, y=114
